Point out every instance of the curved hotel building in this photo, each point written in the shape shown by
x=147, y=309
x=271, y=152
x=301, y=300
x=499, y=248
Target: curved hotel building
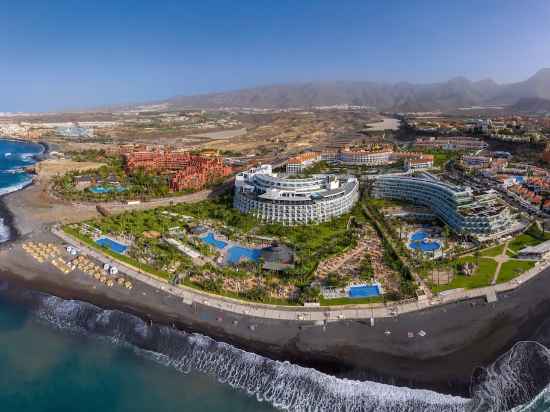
x=280, y=199
x=463, y=210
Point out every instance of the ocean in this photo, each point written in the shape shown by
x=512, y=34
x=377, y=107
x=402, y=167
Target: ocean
x=15, y=156
x=47, y=369
x=58, y=354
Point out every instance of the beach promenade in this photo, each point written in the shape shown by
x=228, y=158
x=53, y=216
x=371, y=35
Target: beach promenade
x=301, y=313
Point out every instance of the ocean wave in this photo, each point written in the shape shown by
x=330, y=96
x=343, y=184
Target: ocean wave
x=13, y=171
x=282, y=384
x=514, y=379
x=4, y=232
x=28, y=157
x=541, y=402
x=15, y=187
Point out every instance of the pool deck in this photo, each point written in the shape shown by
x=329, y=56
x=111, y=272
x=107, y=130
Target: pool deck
x=112, y=244
x=412, y=238
x=225, y=251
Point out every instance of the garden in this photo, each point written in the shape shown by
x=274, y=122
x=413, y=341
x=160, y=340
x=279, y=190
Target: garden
x=246, y=280
x=111, y=182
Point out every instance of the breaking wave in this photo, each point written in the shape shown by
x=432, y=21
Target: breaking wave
x=15, y=187
x=4, y=232
x=515, y=380
x=282, y=384
x=518, y=381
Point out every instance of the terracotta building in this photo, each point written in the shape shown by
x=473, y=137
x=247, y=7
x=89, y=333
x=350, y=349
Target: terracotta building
x=188, y=171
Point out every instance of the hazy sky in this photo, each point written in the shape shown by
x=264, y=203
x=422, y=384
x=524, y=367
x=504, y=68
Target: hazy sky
x=62, y=54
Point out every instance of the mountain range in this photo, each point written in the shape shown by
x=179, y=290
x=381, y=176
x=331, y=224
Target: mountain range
x=401, y=97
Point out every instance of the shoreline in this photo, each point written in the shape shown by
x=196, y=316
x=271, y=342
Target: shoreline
x=461, y=336
x=9, y=221
x=5, y=212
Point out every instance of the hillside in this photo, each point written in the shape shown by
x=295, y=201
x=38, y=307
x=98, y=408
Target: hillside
x=532, y=105
x=455, y=93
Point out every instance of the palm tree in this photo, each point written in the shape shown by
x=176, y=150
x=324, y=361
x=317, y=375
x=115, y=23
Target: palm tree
x=446, y=234
x=476, y=256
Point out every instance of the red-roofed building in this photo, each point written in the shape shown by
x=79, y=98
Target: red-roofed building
x=189, y=171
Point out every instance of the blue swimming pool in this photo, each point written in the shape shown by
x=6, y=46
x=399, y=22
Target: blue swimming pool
x=420, y=235
x=210, y=239
x=103, y=189
x=365, y=291
x=236, y=253
x=425, y=246
x=111, y=244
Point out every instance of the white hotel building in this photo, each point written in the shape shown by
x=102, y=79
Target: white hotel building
x=280, y=199
x=481, y=214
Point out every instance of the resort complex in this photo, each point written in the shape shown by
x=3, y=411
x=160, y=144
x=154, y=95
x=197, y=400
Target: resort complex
x=464, y=210
x=364, y=154
x=188, y=171
x=280, y=199
x=353, y=218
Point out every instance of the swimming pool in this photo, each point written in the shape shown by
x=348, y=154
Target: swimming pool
x=420, y=235
x=418, y=242
x=211, y=240
x=364, y=291
x=103, y=189
x=236, y=253
x=111, y=244
x=425, y=246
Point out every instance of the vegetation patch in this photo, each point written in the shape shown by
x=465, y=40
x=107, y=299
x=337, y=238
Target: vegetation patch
x=245, y=280
x=493, y=251
x=482, y=276
x=352, y=301
x=532, y=237
x=513, y=268
x=114, y=181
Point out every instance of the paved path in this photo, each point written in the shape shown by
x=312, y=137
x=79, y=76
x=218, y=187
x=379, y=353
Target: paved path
x=299, y=313
x=500, y=259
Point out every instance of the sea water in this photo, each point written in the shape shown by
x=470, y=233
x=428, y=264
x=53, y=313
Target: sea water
x=15, y=156
x=58, y=354
x=45, y=367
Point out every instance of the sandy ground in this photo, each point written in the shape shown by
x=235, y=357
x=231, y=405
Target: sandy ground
x=224, y=134
x=33, y=208
x=386, y=124
x=51, y=167
x=459, y=337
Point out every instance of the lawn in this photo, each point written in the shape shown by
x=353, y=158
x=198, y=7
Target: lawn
x=511, y=254
x=351, y=301
x=493, y=251
x=523, y=241
x=513, y=268
x=383, y=203
x=482, y=277
x=532, y=237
